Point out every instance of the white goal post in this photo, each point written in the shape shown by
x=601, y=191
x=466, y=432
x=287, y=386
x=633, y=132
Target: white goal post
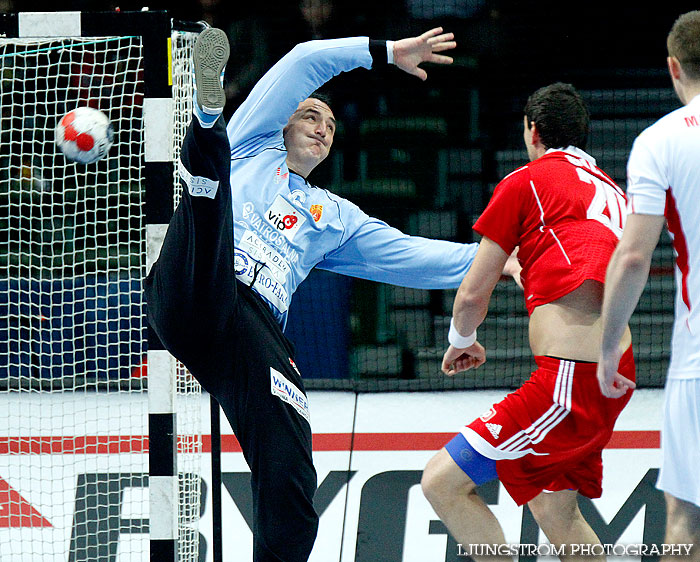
x=100, y=431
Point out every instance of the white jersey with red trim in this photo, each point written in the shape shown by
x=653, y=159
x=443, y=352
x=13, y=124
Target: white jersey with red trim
x=663, y=178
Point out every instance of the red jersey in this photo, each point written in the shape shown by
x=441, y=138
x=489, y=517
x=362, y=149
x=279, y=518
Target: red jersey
x=565, y=214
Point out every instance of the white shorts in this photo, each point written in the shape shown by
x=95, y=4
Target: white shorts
x=680, y=440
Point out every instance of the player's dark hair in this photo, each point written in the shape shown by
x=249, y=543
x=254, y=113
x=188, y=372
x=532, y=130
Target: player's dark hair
x=561, y=116
x=322, y=96
x=683, y=42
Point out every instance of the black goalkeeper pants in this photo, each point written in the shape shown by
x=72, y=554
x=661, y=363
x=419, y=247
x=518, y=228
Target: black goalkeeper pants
x=229, y=340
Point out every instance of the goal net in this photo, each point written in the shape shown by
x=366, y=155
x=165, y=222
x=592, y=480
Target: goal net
x=187, y=390
x=73, y=337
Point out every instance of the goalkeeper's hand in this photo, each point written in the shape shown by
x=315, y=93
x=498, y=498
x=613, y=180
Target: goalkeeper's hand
x=410, y=52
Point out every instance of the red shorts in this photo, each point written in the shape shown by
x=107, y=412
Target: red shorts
x=549, y=434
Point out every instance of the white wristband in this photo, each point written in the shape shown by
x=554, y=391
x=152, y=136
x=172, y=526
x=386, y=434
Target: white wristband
x=390, y=52
x=457, y=340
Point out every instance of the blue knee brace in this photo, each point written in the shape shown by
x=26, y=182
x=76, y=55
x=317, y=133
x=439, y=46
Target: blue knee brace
x=479, y=468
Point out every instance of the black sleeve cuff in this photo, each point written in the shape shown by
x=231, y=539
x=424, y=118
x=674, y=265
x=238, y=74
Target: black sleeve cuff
x=377, y=49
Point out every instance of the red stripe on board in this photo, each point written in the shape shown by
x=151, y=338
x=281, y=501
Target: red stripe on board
x=635, y=440
x=362, y=442
x=401, y=441
x=114, y=444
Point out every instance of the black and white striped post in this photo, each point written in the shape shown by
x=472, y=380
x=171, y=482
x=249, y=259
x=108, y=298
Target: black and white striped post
x=162, y=367
x=162, y=456
x=162, y=433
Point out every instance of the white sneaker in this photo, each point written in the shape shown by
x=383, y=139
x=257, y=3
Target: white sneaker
x=209, y=57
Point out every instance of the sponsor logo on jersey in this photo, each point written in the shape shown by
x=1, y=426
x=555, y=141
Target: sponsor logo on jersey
x=298, y=197
x=285, y=217
x=240, y=262
x=279, y=176
x=267, y=232
x=691, y=121
x=316, y=212
x=488, y=414
x=266, y=284
x=260, y=251
x=494, y=429
x=289, y=393
x=197, y=186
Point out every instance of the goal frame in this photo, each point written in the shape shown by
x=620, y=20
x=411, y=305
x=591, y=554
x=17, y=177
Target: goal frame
x=154, y=28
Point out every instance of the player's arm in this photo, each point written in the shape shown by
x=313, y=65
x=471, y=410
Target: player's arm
x=259, y=120
x=470, y=307
x=501, y=227
x=624, y=282
x=373, y=250
x=309, y=65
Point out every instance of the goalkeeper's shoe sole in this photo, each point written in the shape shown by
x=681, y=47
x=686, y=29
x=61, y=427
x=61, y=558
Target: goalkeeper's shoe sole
x=210, y=54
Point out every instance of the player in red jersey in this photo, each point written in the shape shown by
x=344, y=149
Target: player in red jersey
x=543, y=441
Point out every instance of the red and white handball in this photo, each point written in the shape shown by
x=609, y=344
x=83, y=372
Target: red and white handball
x=84, y=135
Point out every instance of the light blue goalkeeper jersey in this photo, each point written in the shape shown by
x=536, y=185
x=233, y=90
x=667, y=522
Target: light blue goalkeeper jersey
x=284, y=226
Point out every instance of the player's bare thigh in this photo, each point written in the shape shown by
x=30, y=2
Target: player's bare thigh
x=443, y=476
